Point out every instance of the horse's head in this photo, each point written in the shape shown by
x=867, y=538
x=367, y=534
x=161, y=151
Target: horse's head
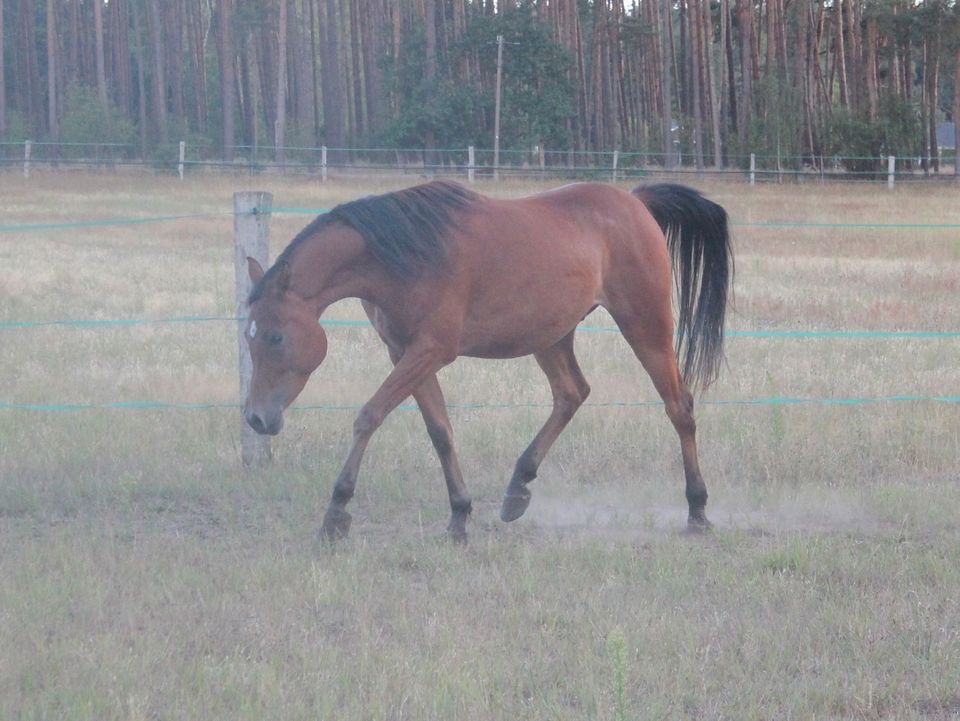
x=286, y=344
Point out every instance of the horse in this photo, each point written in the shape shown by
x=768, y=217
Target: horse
x=443, y=271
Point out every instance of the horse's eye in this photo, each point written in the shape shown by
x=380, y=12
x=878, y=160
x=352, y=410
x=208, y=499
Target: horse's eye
x=275, y=337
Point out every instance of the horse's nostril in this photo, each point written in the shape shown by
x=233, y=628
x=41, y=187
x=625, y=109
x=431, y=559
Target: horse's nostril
x=256, y=422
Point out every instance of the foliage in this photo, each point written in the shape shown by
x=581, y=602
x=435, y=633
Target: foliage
x=777, y=131
x=18, y=128
x=87, y=120
x=537, y=95
x=426, y=106
x=895, y=133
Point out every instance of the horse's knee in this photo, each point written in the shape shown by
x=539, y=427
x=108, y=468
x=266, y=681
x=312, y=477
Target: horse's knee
x=368, y=420
x=583, y=392
x=680, y=412
x=569, y=401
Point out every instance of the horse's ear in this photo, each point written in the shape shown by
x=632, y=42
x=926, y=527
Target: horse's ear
x=283, y=277
x=254, y=269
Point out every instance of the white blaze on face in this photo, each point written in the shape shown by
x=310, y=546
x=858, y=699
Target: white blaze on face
x=253, y=328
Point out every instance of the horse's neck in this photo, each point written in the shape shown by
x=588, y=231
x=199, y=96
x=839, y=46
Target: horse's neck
x=331, y=266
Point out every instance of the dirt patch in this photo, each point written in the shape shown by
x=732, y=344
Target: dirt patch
x=606, y=513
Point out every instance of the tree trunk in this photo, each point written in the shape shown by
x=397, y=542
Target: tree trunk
x=73, y=72
x=956, y=104
x=355, y=34
x=430, y=64
x=854, y=59
x=745, y=19
x=198, y=48
x=667, y=117
x=931, y=72
x=330, y=73
x=101, y=72
x=141, y=81
x=956, y=97
x=159, y=76
x=53, y=114
x=683, y=63
x=173, y=61
x=280, y=124
x=871, y=69
x=3, y=81
x=119, y=51
x=228, y=80
x=839, y=54
x=731, y=83
x=694, y=16
x=247, y=50
x=313, y=71
x=710, y=79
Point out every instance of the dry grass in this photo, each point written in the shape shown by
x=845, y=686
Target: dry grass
x=147, y=575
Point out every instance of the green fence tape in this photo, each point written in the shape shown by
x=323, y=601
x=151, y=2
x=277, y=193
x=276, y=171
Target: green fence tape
x=120, y=322
x=775, y=400
x=28, y=227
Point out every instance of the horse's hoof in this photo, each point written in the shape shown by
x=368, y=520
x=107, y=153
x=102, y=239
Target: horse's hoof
x=514, y=505
x=698, y=523
x=336, y=525
x=457, y=534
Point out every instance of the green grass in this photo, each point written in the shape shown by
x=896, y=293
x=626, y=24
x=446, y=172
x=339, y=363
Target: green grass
x=146, y=574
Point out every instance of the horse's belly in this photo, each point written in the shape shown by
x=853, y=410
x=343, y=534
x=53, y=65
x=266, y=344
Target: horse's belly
x=521, y=331
x=512, y=347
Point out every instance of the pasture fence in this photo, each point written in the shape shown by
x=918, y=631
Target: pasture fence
x=252, y=212
x=472, y=162
x=251, y=233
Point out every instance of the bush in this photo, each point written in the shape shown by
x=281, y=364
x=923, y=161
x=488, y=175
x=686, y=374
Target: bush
x=86, y=120
x=894, y=133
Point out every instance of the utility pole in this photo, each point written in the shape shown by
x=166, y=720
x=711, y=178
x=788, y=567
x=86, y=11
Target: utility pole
x=496, y=114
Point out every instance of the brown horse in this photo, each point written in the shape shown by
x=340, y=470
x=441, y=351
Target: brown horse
x=443, y=272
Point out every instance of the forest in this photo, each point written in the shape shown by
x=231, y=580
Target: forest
x=708, y=80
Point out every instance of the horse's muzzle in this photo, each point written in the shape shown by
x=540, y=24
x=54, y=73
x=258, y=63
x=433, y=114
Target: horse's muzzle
x=265, y=425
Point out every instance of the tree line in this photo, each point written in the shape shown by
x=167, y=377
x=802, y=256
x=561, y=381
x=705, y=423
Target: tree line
x=712, y=80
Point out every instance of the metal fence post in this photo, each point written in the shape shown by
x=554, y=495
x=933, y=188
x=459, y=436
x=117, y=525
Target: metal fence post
x=323, y=163
x=753, y=168
x=616, y=161
x=891, y=170
x=251, y=227
x=26, y=158
x=471, y=163
x=183, y=150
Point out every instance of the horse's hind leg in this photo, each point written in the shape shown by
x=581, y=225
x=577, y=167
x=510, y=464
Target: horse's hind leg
x=570, y=389
x=652, y=342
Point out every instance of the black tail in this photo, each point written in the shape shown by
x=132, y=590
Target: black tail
x=699, y=242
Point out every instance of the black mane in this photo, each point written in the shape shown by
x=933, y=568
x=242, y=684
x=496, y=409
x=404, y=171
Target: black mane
x=404, y=229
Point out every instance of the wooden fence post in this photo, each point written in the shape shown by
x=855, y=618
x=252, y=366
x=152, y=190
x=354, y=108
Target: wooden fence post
x=26, y=158
x=251, y=227
x=471, y=163
x=183, y=151
x=891, y=170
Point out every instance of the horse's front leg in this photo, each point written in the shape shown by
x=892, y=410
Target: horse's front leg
x=419, y=361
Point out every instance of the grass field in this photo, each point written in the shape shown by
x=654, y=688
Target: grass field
x=147, y=575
